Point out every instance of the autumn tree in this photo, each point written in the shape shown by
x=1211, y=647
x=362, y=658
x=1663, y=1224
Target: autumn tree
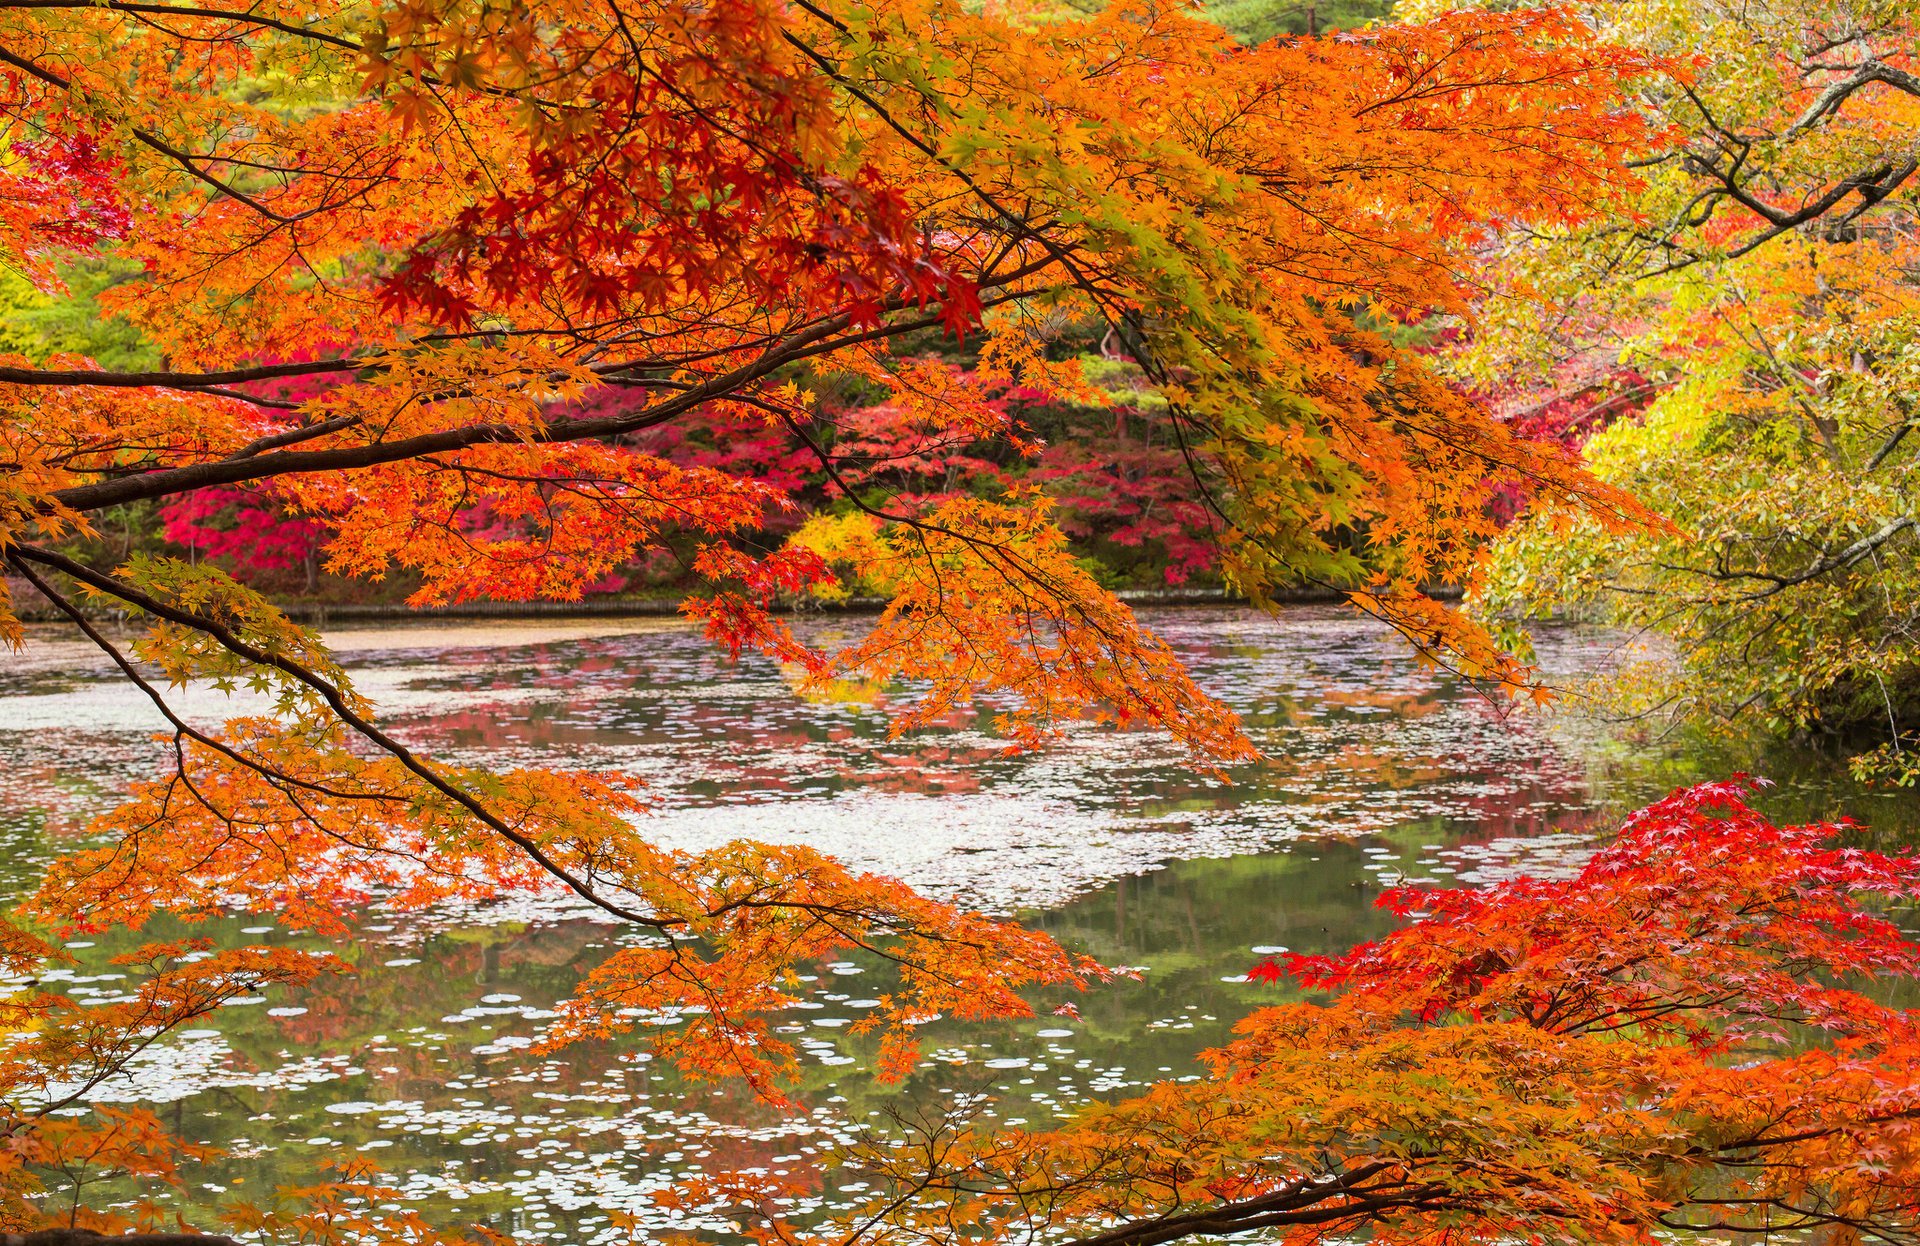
x=1757, y=299
x=1652, y=1050
x=473, y=220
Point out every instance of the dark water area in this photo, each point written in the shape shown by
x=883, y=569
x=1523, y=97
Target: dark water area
x=1376, y=772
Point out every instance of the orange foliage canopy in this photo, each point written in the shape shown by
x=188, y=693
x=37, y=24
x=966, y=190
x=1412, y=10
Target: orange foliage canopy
x=466, y=214
x=1655, y=1046
x=463, y=213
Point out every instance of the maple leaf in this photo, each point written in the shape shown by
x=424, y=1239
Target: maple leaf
x=1268, y=971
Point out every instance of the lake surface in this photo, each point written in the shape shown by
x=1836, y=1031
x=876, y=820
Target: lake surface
x=1376, y=772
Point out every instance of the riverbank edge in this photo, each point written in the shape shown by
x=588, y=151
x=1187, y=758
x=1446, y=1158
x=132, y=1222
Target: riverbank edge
x=31, y=609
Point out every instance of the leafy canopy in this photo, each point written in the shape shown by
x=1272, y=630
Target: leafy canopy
x=476, y=220
x=1757, y=299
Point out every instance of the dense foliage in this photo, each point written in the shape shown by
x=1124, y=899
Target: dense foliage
x=1654, y=1047
x=509, y=300
x=1757, y=299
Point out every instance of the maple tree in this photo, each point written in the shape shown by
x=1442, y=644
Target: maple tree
x=1757, y=299
x=473, y=222
x=1659, y=1045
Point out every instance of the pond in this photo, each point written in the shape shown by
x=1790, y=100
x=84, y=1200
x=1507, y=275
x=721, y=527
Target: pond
x=1376, y=771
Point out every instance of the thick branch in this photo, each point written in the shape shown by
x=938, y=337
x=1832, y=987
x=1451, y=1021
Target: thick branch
x=1346, y=1197
x=187, y=10
x=1835, y=562
x=175, y=380
x=228, y=471
x=821, y=338
x=1834, y=96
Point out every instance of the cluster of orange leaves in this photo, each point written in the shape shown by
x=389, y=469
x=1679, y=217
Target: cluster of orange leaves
x=1238, y=215
x=1659, y=1043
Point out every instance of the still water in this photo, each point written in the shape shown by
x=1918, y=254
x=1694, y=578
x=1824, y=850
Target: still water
x=1376, y=772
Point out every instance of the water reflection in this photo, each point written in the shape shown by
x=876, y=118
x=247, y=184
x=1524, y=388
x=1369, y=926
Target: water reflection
x=1377, y=772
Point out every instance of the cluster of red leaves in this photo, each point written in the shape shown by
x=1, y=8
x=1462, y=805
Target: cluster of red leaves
x=735, y=440
x=737, y=611
x=1566, y=418
x=247, y=529
x=1703, y=920
x=1134, y=495
x=1117, y=493
x=254, y=532
x=61, y=192
x=711, y=93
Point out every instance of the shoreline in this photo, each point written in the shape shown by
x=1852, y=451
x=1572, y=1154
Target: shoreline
x=31, y=610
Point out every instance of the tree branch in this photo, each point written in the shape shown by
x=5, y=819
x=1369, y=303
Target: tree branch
x=336, y=700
